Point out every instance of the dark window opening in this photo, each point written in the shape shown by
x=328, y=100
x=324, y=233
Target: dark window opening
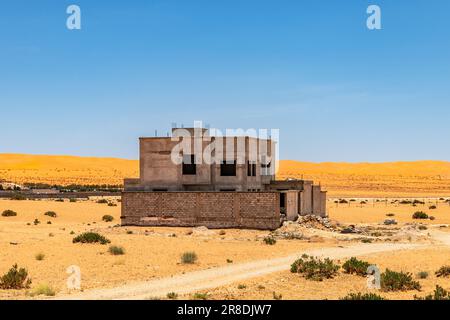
x=283, y=203
x=227, y=190
x=265, y=169
x=160, y=190
x=189, y=166
x=251, y=169
x=228, y=169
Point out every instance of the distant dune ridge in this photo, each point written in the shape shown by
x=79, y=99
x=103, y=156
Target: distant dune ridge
x=418, y=178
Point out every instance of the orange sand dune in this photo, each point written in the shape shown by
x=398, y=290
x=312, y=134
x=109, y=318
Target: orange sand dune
x=65, y=170
x=419, y=178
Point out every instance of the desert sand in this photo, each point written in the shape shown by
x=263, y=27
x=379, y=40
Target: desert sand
x=152, y=255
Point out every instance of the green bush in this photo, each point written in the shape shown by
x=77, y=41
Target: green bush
x=72, y=200
x=200, y=296
x=18, y=196
x=107, y=218
x=242, y=286
x=9, y=213
x=90, y=237
x=51, y=214
x=314, y=268
x=43, y=289
x=361, y=296
x=172, y=295
x=15, y=278
x=420, y=215
x=343, y=201
x=269, y=240
x=443, y=271
x=277, y=296
x=422, y=275
x=116, y=250
x=439, y=294
x=355, y=266
x=432, y=207
x=189, y=257
x=398, y=281
x=40, y=256
x=102, y=201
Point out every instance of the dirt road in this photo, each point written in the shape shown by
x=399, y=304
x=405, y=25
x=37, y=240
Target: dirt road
x=212, y=278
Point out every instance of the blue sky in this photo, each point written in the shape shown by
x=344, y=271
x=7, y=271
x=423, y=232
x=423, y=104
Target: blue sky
x=336, y=90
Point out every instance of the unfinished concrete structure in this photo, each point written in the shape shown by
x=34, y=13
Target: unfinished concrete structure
x=194, y=179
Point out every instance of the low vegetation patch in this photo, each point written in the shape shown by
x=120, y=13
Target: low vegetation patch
x=116, y=250
x=107, y=218
x=269, y=240
x=172, y=296
x=420, y=215
x=102, y=201
x=43, y=290
x=314, y=268
x=90, y=237
x=9, y=213
x=51, y=214
x=277, y=296
x=362, y=296
x=40, y=256
x=15, y=278
x=432, y=207
x=443, y=271
x=398, y=281
x=439, y=294
x=422, y=275
x=355, y=266
x=189, y=257
x=200, y=296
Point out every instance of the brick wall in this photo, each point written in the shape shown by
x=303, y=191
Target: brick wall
x=254, y=210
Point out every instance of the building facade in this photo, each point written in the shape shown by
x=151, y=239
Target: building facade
x=194, y=179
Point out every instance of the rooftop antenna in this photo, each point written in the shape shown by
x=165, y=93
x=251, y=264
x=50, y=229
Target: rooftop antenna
x=174, y=125
x=156, y=133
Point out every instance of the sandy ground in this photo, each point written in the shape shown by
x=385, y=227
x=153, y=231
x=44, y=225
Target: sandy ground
x=152, y=257
x=150, y=252
x=376, y=209
x=293, y=287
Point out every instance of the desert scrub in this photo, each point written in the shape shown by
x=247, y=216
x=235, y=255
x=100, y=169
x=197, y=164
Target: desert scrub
x=355, y=266
x=9, y=213
x=51, y=214
x=314, y=268
x=43, y=290
x=269, y=240
x=422, y=275
x=15, y=278
x=73, y=200
x=361, y=296
x=432, y=207
x=189, y=257
x=439, y=294
x=112, y=204
x=116, y=250
x=40, y=256
x=390, y=215
x=242, y=286
x=398, y=281
x=200, y=296
x=90, y=237
x=277, y=296
x=172, y=296
x=102, y=201
x=419, y=215
x=107, y=218
x=443, y=271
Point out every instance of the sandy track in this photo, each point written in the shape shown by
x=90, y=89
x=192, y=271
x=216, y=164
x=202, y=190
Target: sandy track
x=211, y=278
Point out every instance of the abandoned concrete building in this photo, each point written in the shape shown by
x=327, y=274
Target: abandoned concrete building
x=236, y=188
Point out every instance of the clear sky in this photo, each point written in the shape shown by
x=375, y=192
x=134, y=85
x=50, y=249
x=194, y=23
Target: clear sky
x=336, y=90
